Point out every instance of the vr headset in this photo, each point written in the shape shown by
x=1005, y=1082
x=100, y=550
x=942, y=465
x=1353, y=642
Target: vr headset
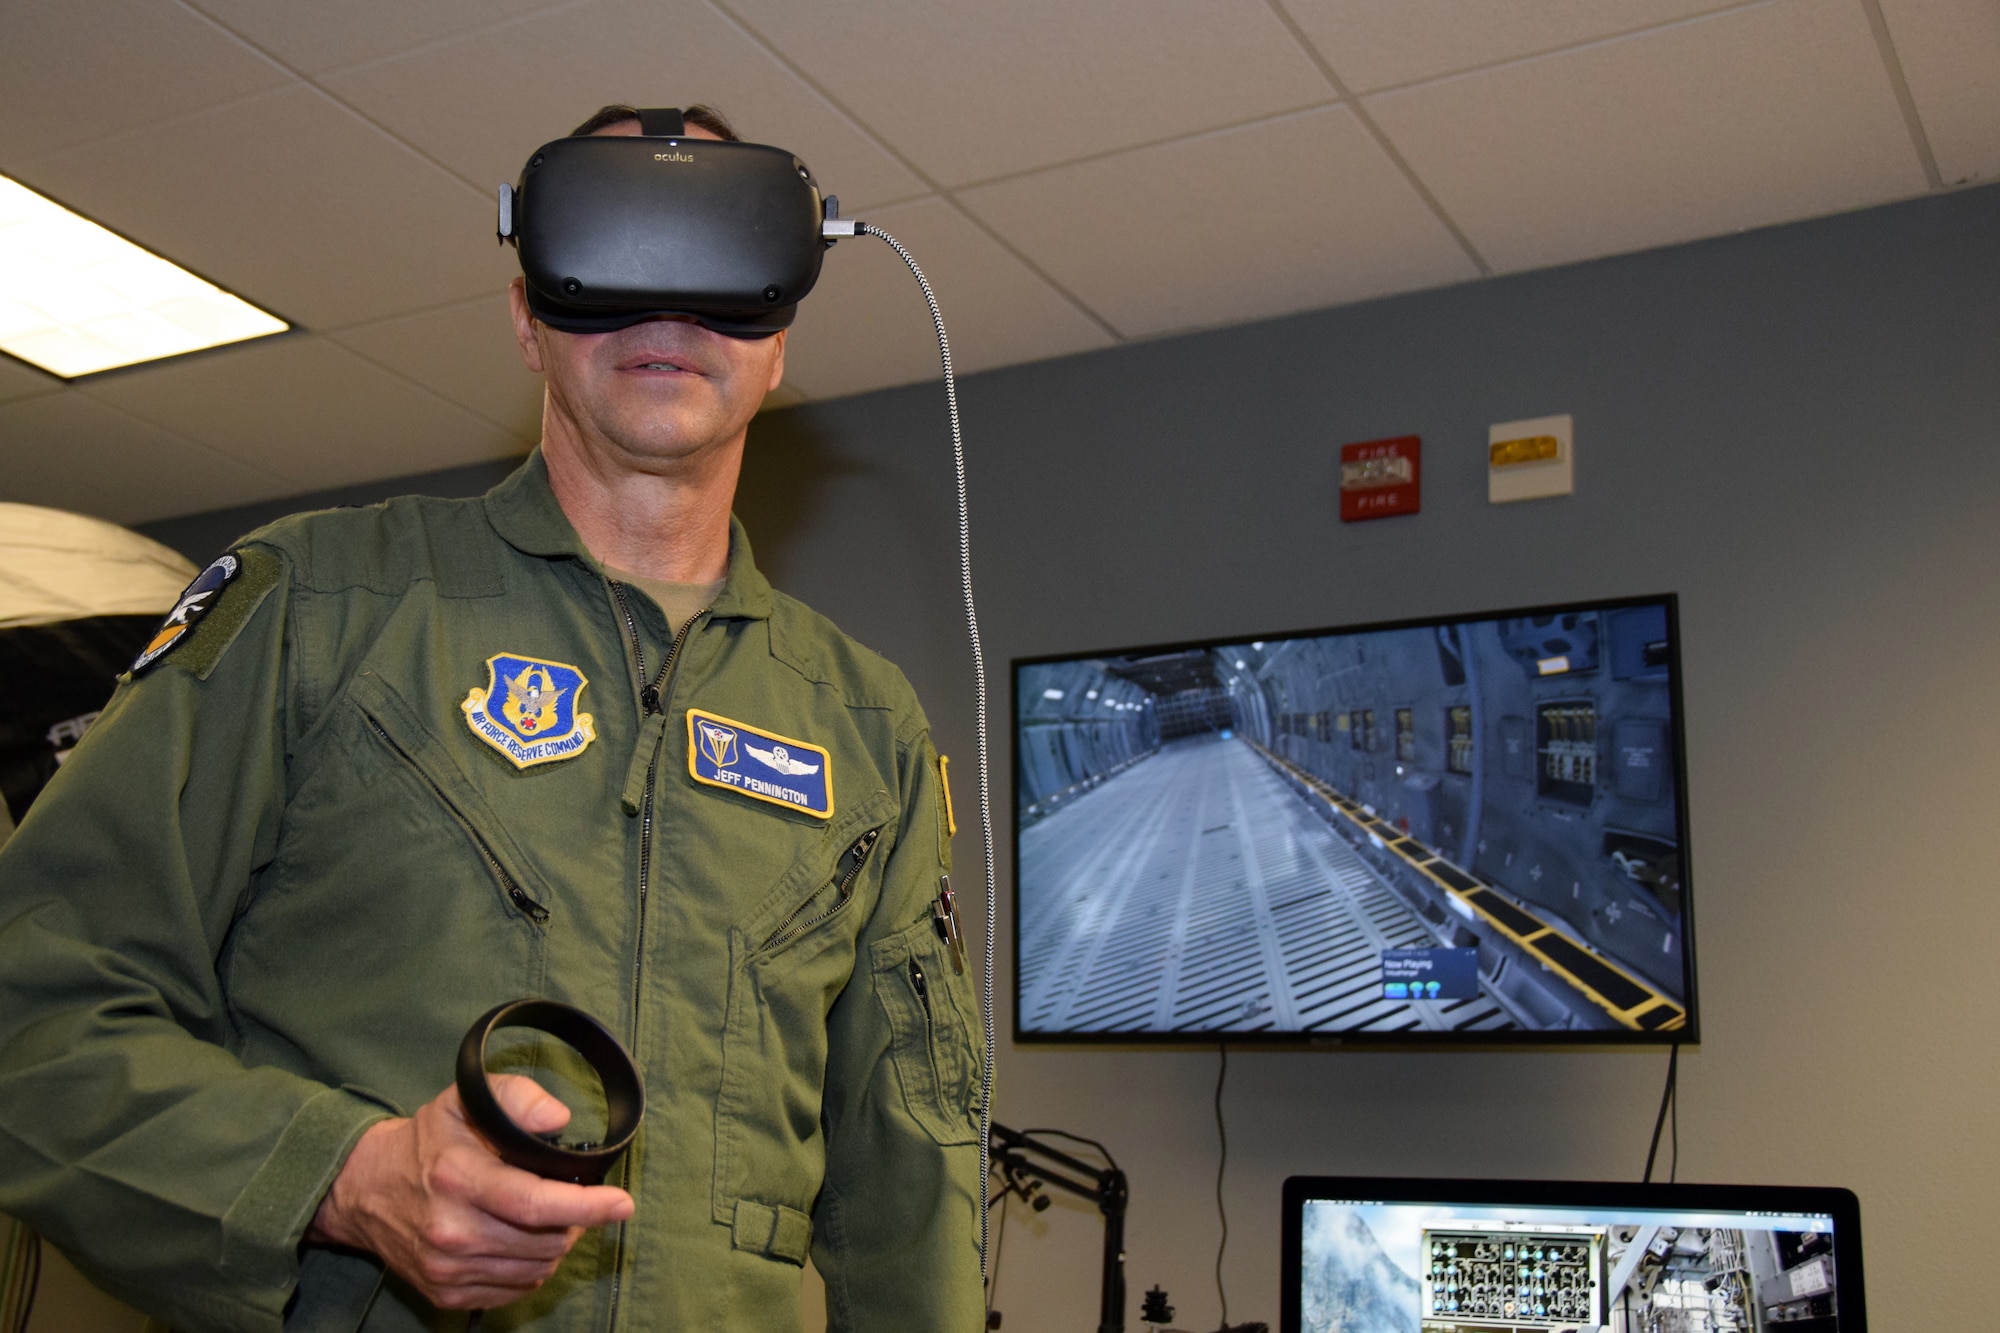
x=617, y=229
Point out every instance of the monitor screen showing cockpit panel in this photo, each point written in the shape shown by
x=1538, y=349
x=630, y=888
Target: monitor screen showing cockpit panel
x=1466, y=829
x=1434, y=1256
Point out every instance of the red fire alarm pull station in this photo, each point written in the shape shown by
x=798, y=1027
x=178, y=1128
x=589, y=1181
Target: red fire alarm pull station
x=1381, y=478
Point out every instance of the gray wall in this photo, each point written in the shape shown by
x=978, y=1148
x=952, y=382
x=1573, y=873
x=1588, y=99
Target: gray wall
x=1794, y=429
x=201, y=537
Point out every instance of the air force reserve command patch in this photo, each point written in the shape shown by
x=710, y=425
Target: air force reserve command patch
x=528, y=710
x=199, y=599
x=759, y=764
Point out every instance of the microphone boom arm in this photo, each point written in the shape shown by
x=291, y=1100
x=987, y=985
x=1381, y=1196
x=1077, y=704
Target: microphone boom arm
x=1016, y=1154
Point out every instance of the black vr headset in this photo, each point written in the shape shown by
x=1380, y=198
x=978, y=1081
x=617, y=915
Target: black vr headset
x=617, y=229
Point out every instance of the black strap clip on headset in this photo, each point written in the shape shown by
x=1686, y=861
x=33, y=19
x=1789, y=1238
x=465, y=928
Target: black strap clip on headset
x=624, y=1096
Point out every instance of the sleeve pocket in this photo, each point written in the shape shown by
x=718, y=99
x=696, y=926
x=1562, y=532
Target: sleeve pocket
x=930, y=1034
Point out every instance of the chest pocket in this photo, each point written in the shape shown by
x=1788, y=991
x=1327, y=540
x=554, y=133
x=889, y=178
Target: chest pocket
x=397, y=728
x=484, y=893
x=391, y=870
x=789, y=962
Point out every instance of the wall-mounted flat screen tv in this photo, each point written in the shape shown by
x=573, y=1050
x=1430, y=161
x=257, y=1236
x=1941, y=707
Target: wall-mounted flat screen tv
x=1469, y=829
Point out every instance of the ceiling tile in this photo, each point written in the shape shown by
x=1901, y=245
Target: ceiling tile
x=69, y=451
x=322, y=37
x=972, y=90
x=1290, y=214
x=20, y=380
x=483, y=103
x=465, y=352
x=1950, y=52
x=1762, y=115
x=996, y=310
x=1379, y=43
x=292, y=202
x=309, y=411
x=85, y=69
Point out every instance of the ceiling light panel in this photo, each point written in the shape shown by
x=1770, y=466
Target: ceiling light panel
x=76, y=299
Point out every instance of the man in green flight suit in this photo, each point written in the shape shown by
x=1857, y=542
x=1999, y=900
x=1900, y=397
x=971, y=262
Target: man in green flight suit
x=386, y=768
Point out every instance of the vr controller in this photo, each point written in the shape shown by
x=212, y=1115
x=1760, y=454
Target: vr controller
x=547, y=1155
x=616, y=229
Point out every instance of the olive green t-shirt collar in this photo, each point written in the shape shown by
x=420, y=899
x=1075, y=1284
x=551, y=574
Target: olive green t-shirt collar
x=523, y=510
x=679, y=602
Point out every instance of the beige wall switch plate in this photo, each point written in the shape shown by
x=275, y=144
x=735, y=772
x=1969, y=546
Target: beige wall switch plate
x=1528, y=460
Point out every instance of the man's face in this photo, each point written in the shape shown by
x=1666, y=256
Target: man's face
x=659, y=392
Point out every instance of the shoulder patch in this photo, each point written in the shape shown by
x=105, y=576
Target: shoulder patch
x=211, y=612
x=196, y=600
x=760, y=764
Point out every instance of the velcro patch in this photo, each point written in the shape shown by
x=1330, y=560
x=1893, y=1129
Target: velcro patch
x=196, y=601
x=759, y=764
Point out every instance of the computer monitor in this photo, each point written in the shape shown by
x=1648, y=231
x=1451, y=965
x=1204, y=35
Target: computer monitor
x=1387, y=1255
x=1459, y=829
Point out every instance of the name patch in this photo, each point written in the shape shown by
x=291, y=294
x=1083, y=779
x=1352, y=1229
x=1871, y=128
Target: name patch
x=759, y=764
x=528, y=710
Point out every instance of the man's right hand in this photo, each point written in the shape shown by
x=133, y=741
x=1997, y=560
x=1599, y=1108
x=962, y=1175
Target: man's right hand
x=430, y=1198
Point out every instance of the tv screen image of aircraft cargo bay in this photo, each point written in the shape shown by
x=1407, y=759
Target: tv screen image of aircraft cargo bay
x=1454, y=828
x=1369, y=1267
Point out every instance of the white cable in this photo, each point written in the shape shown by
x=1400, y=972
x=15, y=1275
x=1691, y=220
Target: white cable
x=979, y=690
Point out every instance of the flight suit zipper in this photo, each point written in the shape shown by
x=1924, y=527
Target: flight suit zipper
x=791, y=927
x=923, y=990
x=516, y=895
x=652, y=701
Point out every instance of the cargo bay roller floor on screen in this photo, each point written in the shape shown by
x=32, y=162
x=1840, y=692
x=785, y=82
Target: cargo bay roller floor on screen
x=1221, y=902
x=1412, y=832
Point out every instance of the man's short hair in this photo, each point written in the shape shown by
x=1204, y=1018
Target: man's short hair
x=707, y=117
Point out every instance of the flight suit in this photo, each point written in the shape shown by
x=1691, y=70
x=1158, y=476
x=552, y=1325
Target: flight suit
x=259, y=907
